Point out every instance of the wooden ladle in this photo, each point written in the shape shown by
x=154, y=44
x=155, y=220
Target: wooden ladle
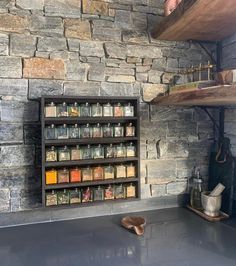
x=134, y=223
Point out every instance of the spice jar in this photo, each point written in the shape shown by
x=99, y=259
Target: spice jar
x=98, y=152
x=119, y=192
x=109, y=193
x=110, y=151
x=51, y=154
x=98, y=173
x=63, y=176
x=64, y=154
x=120, y=151
x=75, y=175
x=73, y=109
x=63, y=197
x=130, y=130
x=98, y=194
x=195, y=195
x=62, y=110
x=107, y=110
x=96, y=110
x=50, y=110
x=86, y=152
x=62, y=132
x=128, y=110
x=97, y=131
x=51, y=177
x=50, y=132
x=130, y=191
x=87, y=174
x=120, y=171
x=75, y=196
x=85, y=110
x=75, y=153
x=118, y=130
x=130, y=171
x=109, y=172
x=107, y=131
x=74, y=132
x=51, y=198
x=118, y=110
x=130, y=150
x=87, y=195
x=85, y=132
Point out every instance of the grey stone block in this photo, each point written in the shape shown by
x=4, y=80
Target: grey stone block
x=4, y=200
x=82, y=88
x=14, y=87
x=148, y=10
x=161, y=171
x=173, y=149
x=158, y=190
x=140, y=21
x=116, y=50
x=22, y=45
x=91, y=49
x=154, y=76
x=49, y=44
x=142, y=77
x=182, y=129
x=66, y=8
x=75, y=70
x=143, y=51
x=13, y=111
x=145, y=191
x=42, y=54
x=96, y=72
x=32, y=134
x=159, y=64
x=176, y=188
x=106, y=34
x=152, y=131
x=7, y=3
x=153, y=149
x=172, y=64
x=73, y=44
x=39, y=87
x=116, y=89
x=4, y=40
x=123, y=19
x=17, y=155
x=119, y=71
x=11, y=133
x=10, y=67
x=46, y=26
x=30, y=4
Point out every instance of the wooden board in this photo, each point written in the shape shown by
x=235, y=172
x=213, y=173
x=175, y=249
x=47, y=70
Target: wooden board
x=221, y=217
x=213, y=96
x=198, y=20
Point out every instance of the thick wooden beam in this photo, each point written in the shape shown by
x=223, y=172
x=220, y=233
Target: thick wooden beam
x=214, y=96
x=198, y=20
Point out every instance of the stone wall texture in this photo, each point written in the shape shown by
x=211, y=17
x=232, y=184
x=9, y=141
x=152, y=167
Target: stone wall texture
x=228, y=62
x=93, y=47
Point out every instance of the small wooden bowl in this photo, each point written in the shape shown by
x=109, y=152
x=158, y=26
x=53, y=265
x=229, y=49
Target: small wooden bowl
x=134, y=223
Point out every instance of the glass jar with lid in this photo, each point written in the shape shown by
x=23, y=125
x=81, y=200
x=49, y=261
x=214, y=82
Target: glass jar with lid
x=98, y=173
x=128, y=110
x=96, y=110
x=85, y=110
x=63, y=197
x=107, y=131
x=63, y=176
x=130, y=150
x=74, y=132
x=85, y=131
x=50, y=110
x=109, y=193
x=130, y=191
x=87, y=195
x=196, y=191
x=87, y=174
x=75, y=175
x=118, y=130
x=130, y=130
x=130, y=171
x=110, y=151
x=118, y=110
x=86, y=152
x=50, y=132
x=107, y=110
x=97, y=131
x=51, y=198
x=62, y=110
x=119, y=192
x=73, y=109
x=98, y=194
x=75, y=196
x=64, y=154
x=62, y=132
x=120, y=151
x=51, y=177
x=51, y=154
x=109, y=172
x=120, y=171
x=98, y=152
x=75, y=153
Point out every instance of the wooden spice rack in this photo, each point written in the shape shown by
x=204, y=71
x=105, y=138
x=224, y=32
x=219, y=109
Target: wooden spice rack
x=45, y=121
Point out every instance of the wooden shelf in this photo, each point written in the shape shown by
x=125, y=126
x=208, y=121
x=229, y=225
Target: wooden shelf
x=85, y=120
x=198, y=20
x=91, y=183
x=67, y=142
x=90, y=162
x=213, y=96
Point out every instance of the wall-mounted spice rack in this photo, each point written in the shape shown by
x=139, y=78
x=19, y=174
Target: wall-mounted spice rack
x=90, y=149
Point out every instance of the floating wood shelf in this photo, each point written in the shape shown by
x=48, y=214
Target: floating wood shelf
x=213, y=96
x=198, y=20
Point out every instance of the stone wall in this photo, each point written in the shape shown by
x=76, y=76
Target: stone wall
x=92, y=47
x=229, y=62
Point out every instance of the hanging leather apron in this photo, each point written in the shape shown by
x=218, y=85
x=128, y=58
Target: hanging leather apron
x=222, y=170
